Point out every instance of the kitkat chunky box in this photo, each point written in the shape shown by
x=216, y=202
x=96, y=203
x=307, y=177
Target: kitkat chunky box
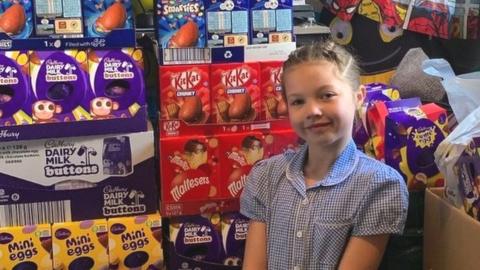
x=195, y=238
x=26, y=247
x=185, y=93
x=135, y=243
x=271, y=21
x=80, y=245
x=189, y=168
x=77, y=178
x=102, y=17
x=238, y=153
x=16, y=18
x=60, y=83
x=411, y=138
x=181, y=23
x=274, y=105
x=227, y=23
x=116, y=77
x=16, y=95
x=235, y=90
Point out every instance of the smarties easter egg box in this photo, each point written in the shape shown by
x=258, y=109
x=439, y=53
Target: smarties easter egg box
x=58, y=19
x=181, y=23
x=77, y=178
x=103, y=17
x=16, y=18
x=26, y=247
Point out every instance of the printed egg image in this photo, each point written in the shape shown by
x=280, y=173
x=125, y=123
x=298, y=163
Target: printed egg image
x=186, y=36
x=13, y=20
x=25, y=266
x=136, y=259
x=114, y=17
x=191, y=110
x=240, y=107
x=82, y=263
x=282, y=109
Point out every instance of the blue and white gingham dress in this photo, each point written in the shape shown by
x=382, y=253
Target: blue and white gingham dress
x=309, y=228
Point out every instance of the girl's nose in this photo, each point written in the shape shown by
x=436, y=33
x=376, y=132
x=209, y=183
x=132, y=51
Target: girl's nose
x=313, y=110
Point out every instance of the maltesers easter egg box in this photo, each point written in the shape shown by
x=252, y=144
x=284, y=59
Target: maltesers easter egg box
x=181, y=23
x=16, y=18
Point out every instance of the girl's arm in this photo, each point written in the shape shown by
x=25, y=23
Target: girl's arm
x=255, y=257
x=364, y=252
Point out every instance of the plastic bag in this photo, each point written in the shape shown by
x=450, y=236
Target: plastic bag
x=464, y=97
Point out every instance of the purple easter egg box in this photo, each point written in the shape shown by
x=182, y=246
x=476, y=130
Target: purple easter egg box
x=196, y=237
x=116, y=77
x=60, y=85
x=234, y=233
x=15, y=90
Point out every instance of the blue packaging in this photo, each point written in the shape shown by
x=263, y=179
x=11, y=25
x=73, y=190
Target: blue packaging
x=16, y=18
x=58, y=18
x=222, y=29
x=271, y=21
x=103, y=16
x=181, y=23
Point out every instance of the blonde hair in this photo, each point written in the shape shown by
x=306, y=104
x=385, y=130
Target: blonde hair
x=329, y=51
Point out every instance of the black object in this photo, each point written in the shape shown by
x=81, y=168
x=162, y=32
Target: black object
x=136, y=259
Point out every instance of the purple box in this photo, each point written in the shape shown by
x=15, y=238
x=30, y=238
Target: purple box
x=15, y=89
x=60, y=85
x=411, y=138
x=116, y=77
x=234, y=234
x=77, y=178
x=468, y=169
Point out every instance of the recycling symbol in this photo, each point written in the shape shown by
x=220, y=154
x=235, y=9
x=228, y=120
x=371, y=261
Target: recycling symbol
x=228, y=54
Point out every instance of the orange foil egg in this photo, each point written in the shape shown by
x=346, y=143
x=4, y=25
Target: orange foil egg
x=186, y=36
x=114, y=17
x=13, y=19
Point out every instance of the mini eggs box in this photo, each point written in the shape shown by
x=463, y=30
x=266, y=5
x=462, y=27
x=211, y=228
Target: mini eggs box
x=16, y=97
x=26, y=247
x=181, y=23
x=80, y=245
x=116, y=77
x=135, y=243
x=16, y=18
x=195, y=238
x=60, y=84
x=102, y=17
x=411, y=138
x=271, y=21
x=227, y=23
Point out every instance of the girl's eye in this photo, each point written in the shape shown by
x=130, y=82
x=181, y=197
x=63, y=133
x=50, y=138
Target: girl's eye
x=327, y=95
x=296, y=102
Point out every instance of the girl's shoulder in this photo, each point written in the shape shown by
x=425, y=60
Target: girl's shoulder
x=375, y=169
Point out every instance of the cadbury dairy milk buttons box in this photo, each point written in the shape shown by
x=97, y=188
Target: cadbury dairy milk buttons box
x=26, y=248
x=15, y=89
x=234, y=234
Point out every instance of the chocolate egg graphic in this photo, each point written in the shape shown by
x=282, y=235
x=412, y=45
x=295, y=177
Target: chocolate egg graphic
x=13, y=19
x=241, y=105
x=114, y=17
x=186, y=36
x=282, y=109
x=191, y=110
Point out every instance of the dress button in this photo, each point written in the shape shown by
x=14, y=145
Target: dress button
x=305, y=201
x=299, y=234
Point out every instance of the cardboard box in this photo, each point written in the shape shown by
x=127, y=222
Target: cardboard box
x=79, y=178
x=451, y=237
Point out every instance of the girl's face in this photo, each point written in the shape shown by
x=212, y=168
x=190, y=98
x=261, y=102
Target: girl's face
x=321, y=105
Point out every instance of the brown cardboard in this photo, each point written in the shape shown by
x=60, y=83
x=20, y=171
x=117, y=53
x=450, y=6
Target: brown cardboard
x=451, y=237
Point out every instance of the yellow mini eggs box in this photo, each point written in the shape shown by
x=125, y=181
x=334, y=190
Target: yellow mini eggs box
x=135, y=243
x=26, y=247
x=80, y=245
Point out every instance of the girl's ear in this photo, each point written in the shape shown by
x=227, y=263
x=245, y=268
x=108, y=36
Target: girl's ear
x=359, y=95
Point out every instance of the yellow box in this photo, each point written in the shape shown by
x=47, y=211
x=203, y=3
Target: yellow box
x=135, y=242
x=27, y=246
x=80, y=245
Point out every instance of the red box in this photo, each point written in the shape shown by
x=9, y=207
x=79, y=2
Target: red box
x=189, y=169
x=285, y=141
x=274, y=106
x=238, y=154
x=235, y=92
x=185, y=93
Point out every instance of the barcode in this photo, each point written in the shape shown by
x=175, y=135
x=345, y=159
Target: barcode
x=186, y=56
x=34, y=213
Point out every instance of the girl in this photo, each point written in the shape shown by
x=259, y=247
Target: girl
x=328, y=206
